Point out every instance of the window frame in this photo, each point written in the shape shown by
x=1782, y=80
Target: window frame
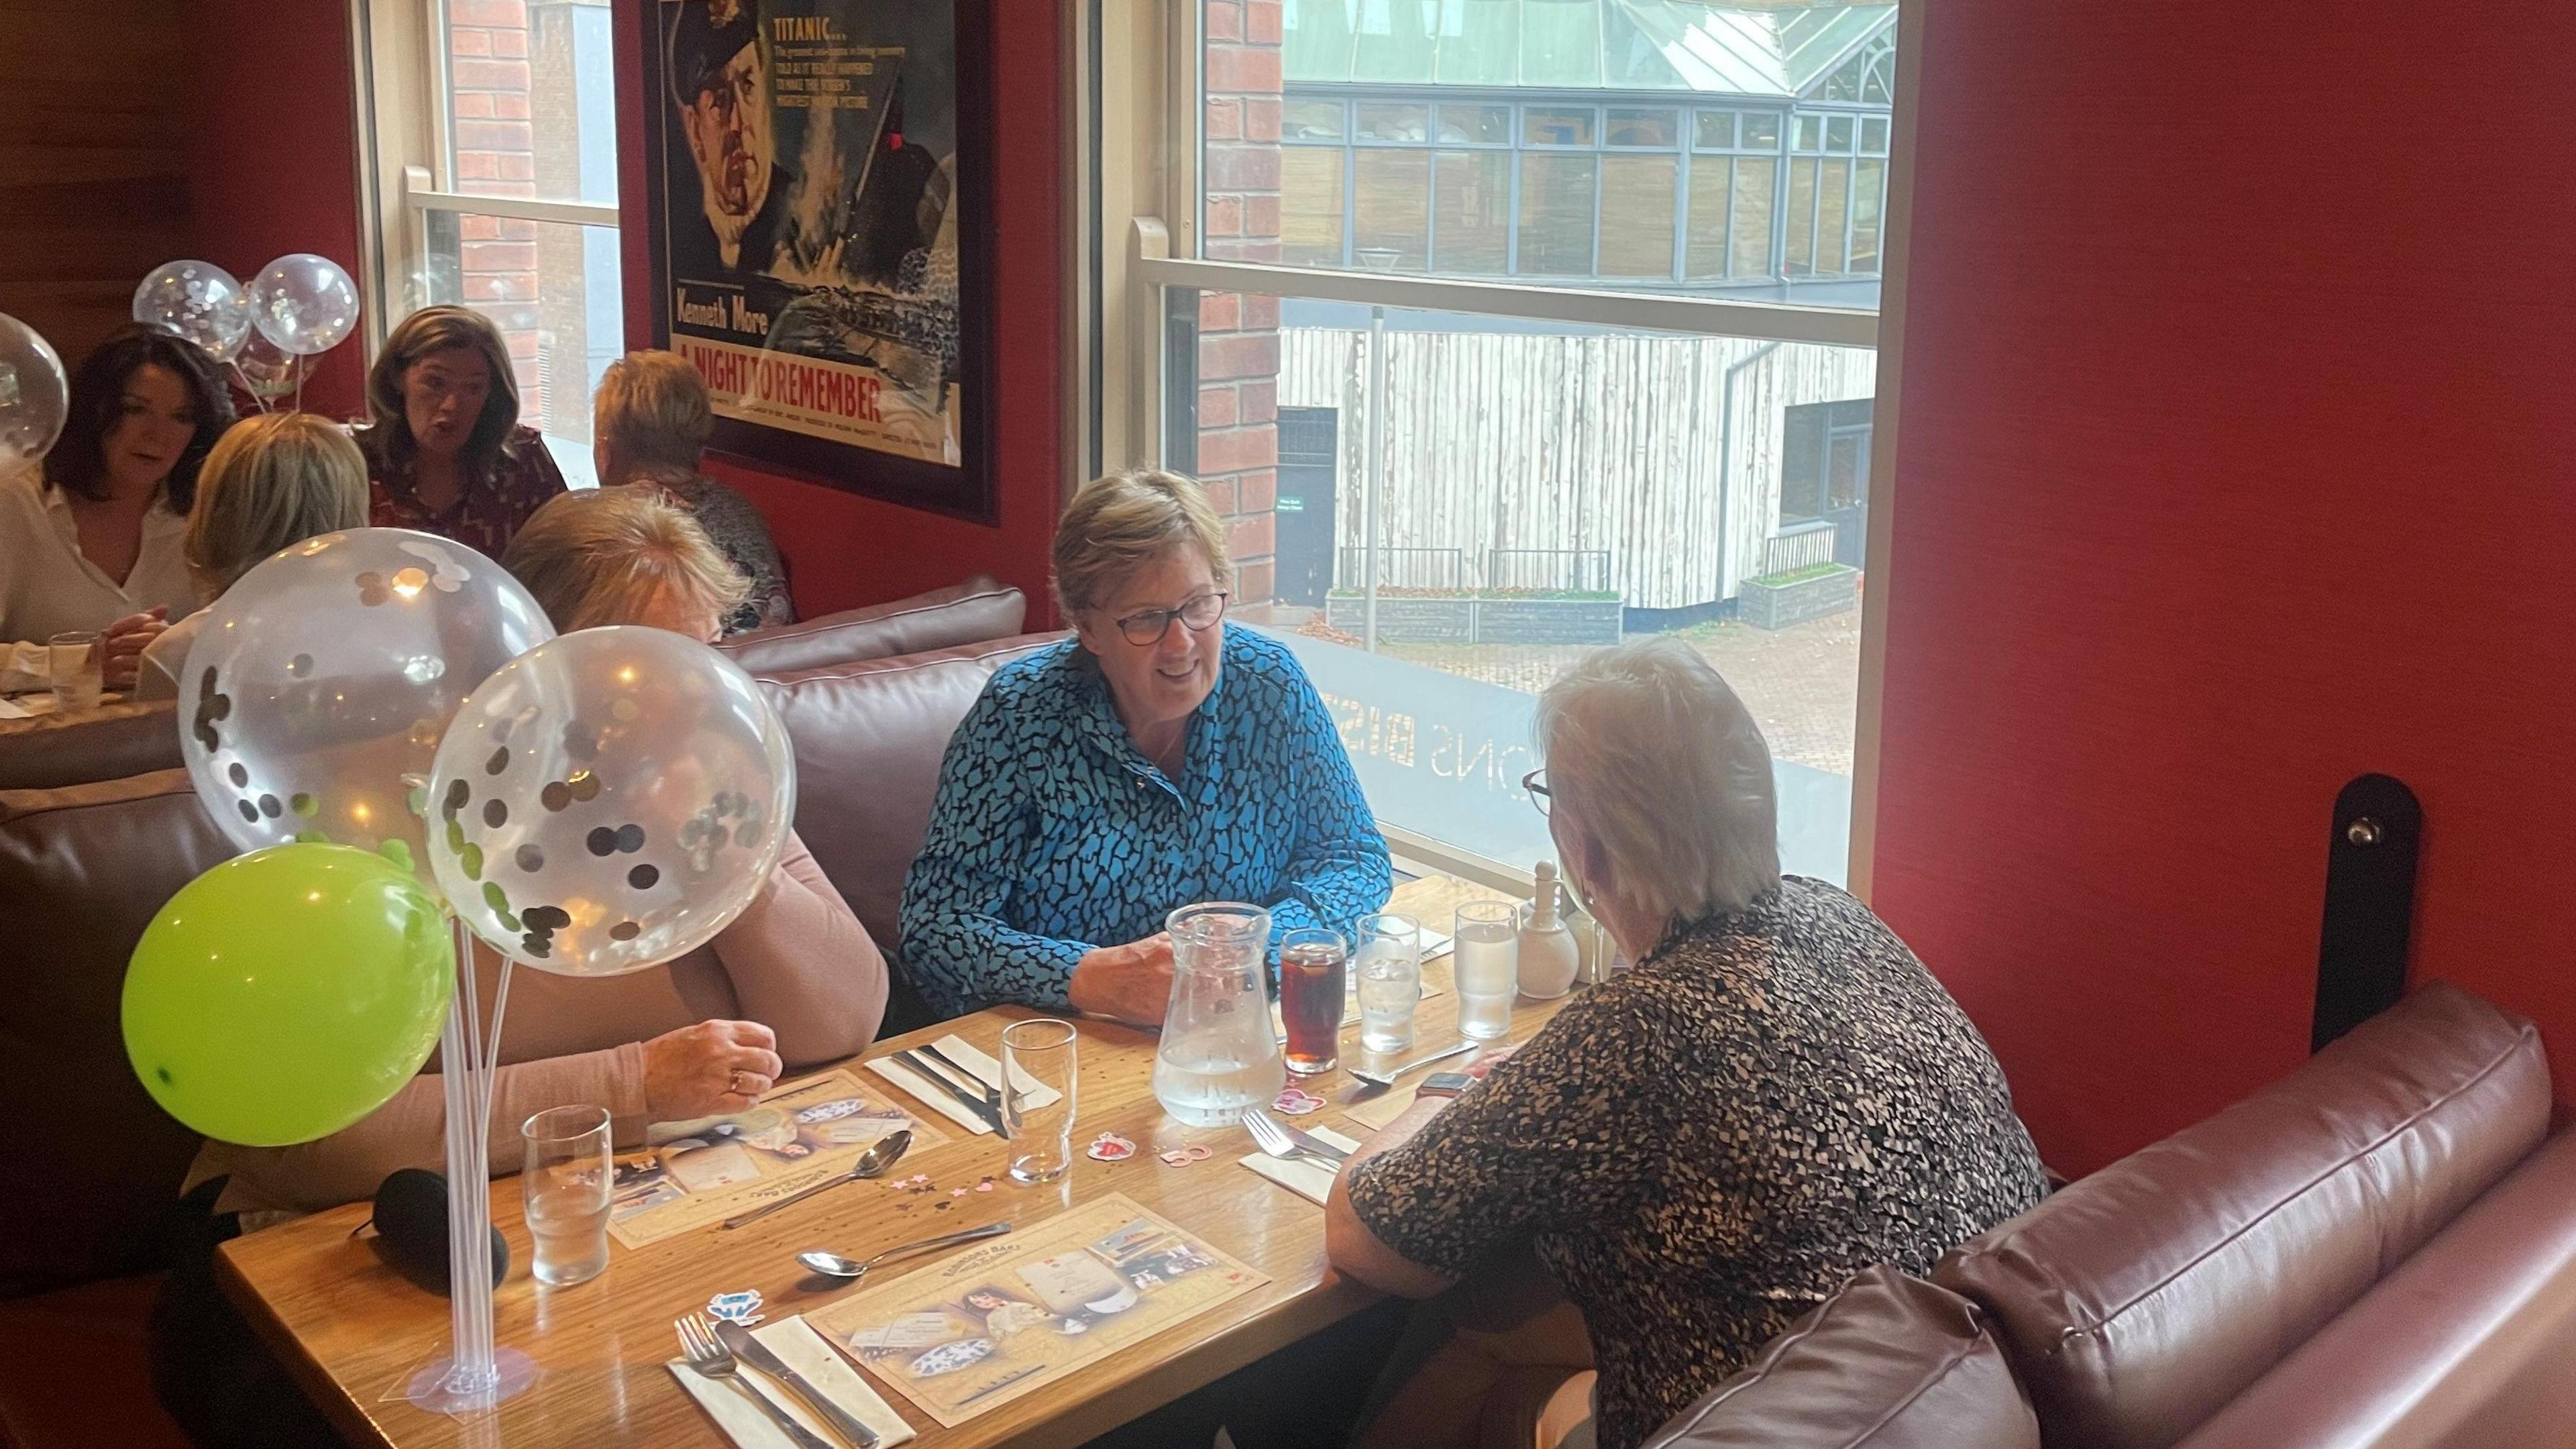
x=406, y=158
x=1134, y=110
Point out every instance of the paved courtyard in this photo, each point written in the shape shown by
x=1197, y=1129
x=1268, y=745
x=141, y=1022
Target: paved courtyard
x=1802, y=683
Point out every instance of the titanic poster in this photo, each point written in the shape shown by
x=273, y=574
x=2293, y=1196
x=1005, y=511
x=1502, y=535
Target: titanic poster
x=817, y=206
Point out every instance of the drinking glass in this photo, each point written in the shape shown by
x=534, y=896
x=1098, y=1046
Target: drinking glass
x=1038, y=1052
x=74, y=664
x=1388, y=964
x=1312, y=968
x=1486, y=964
x=566, y=1189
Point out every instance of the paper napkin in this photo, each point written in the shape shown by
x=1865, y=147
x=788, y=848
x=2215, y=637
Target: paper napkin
x=927, y=1093
x=805, y=1351
x=1303, y=1176
x=1032, y=1091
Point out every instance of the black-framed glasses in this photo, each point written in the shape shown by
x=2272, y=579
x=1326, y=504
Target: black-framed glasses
x=1147, y=628
x=1535, y=783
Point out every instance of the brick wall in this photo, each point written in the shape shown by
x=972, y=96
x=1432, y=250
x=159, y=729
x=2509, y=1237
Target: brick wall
x=1238, y=372
x=496, y=155
x=511, y=69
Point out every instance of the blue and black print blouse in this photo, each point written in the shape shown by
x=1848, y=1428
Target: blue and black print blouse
x=1053, y=834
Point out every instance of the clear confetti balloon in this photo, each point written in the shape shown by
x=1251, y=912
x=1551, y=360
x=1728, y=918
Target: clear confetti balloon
x=267, y=372
x=33, y=394
x=304, y=303
x=610, y=800
x=198, y=300
x=320, y=685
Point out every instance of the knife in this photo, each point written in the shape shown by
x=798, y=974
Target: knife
x=972, y=1103
x=1308, y=1142
x=757, y=1354
x=992, y=1095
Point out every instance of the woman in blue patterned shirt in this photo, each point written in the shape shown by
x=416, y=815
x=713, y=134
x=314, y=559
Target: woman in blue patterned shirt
x=1161, y=757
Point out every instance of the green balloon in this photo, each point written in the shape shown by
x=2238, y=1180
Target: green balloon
x=285, y=995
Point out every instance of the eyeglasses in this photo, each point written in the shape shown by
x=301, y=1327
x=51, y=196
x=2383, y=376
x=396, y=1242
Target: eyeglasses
x=1535, y=783
x=1148, y=627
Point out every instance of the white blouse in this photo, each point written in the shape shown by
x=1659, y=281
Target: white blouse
x=48, y=587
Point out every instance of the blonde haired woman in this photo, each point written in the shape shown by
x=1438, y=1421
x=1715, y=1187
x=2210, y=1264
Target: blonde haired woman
x=794, y=982
x=271, y=482
x=1160, y=758
x=651, y=419
x=446, y=453
x=625, y=556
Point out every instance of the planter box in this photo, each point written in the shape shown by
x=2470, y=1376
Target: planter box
x=1407, y=620
x=1786, y=599
x=1548, y=621
x=1466, y=620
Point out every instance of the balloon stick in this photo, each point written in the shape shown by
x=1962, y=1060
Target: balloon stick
x=474, y=1375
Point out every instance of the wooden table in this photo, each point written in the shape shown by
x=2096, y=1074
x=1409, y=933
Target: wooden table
x=353, y=1330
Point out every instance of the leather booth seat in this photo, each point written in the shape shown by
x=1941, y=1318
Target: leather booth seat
x=869, y=738
x=134, y=738
x=107, y=743
x=2377, y=1250
x=1888, y=1362
x=83, y=870
x=967, y=613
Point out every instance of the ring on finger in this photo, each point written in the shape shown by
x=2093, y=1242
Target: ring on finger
x=741, y=1083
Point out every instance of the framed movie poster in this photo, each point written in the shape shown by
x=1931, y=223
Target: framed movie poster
x=819, y=215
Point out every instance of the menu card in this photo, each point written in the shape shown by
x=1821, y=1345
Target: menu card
x=1012, y=1315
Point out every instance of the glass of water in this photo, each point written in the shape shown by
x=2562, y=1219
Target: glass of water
x=1388, y=966
x=1038, y=1053
x=1486, y=965
x=565, y=1187
x=75, y=664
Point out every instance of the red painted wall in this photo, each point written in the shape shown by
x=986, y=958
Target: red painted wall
x=842, y=549
x=272, y=152
x=2239, y=406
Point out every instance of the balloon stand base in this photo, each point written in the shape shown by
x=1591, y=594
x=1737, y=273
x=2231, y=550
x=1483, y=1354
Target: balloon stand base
x=439, y=1389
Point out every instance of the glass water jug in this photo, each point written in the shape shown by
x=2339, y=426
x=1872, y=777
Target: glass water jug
x=1219, y=1053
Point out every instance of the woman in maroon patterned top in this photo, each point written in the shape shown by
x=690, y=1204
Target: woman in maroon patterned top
x=445, y=451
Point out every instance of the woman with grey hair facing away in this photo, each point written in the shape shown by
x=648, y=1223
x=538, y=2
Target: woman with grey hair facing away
x=1777, y=1096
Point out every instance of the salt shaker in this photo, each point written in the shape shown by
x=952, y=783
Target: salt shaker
x=1549, y=957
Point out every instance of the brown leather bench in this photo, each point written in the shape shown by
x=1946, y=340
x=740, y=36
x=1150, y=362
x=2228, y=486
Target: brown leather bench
x=2377, y=1250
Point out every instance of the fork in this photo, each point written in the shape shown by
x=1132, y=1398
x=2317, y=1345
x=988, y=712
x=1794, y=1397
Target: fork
x=712, y=1358
x=1272, y=1138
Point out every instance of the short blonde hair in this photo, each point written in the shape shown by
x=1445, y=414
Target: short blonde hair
x=1649, y=747
x=1125, y=520
x=653, y=414
x=600, y=555
x=271, y=482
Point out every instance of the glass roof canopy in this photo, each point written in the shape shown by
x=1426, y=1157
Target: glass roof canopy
x=1779, y=51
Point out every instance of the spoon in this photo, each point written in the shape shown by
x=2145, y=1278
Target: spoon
x=1380, y=1081
x=872, y=1163
x=833, y=1265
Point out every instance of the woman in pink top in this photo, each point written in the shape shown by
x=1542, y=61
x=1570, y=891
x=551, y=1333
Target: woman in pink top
x=793, y=983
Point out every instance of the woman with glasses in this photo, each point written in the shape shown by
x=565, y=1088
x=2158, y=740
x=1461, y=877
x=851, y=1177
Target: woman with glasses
x=1776, y=1096
x=1159, y=758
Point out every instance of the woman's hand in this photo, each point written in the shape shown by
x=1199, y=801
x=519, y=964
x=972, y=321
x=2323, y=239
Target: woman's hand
x=121, y=645
x=1131, y=983
x=708, y=1069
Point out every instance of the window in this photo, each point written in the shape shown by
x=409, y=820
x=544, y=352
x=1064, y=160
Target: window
x=1493, y=391
x=1602, y=191
x=494, y=128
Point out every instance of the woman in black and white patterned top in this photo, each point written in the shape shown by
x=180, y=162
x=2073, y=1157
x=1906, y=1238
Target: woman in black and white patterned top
x=1777, y=1095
